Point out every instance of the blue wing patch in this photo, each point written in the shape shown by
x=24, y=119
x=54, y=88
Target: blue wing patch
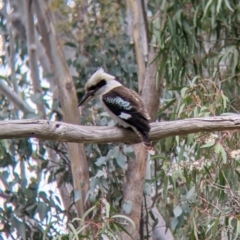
x=126, y=108
x=118, y=101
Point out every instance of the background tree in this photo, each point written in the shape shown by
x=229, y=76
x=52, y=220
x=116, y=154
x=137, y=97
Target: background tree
x=182, y=57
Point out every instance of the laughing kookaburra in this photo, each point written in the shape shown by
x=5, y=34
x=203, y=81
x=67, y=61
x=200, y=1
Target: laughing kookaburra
x=123, y=104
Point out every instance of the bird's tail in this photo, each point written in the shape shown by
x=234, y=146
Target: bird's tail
x=147, y=143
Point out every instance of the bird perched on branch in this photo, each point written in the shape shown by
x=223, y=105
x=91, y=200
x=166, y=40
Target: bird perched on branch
x=123, y=104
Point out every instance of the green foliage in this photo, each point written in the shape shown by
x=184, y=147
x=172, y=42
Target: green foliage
x=24, y=197
x=197, y=174
x=108, y=224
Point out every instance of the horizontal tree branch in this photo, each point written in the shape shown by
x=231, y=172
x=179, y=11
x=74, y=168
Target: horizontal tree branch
x=65, y=132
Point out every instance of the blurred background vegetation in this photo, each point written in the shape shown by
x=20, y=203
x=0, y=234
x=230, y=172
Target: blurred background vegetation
x=193, y=180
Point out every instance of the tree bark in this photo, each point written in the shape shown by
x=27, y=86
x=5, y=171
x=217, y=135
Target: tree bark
x=147, y=87
x=140, y=41
x=68, y=99
x=65, y=132
x=22, y=22
x=33, y=58
x=133, y=190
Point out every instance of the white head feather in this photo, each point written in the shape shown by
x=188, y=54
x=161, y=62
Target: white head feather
x=99, y=75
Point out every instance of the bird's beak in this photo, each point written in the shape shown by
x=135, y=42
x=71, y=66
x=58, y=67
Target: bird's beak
x=86, y=98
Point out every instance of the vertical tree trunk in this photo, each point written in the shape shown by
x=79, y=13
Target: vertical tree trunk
x=133, y=189
x=139, y=39
x=68, y=99
x=24, y=17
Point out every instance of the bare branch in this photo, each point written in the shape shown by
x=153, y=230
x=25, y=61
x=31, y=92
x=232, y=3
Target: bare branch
x=65, y=132
x=11, y=52
x=15, y=98
x=17, y=18
x=32, y=52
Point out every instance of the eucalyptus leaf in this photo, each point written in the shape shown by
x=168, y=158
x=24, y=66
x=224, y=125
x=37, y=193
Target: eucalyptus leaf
x=190, y=192
x=36, y=98
x=42, y=209
x=70, y=44
x=127, y=206
x=101, y=161
x=121, y=159
x=174, y=223
x=100, y=173
x=177, y=211
x=77, y=195
x=107, y=207
x=128, y=150
x=147, y=188
x=208, y=145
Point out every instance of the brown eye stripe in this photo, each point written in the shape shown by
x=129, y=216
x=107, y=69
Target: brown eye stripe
x=97, y=86
x=92, y=88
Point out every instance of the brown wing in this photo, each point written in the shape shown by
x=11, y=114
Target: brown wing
x=128, y=106
x=140, y=104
